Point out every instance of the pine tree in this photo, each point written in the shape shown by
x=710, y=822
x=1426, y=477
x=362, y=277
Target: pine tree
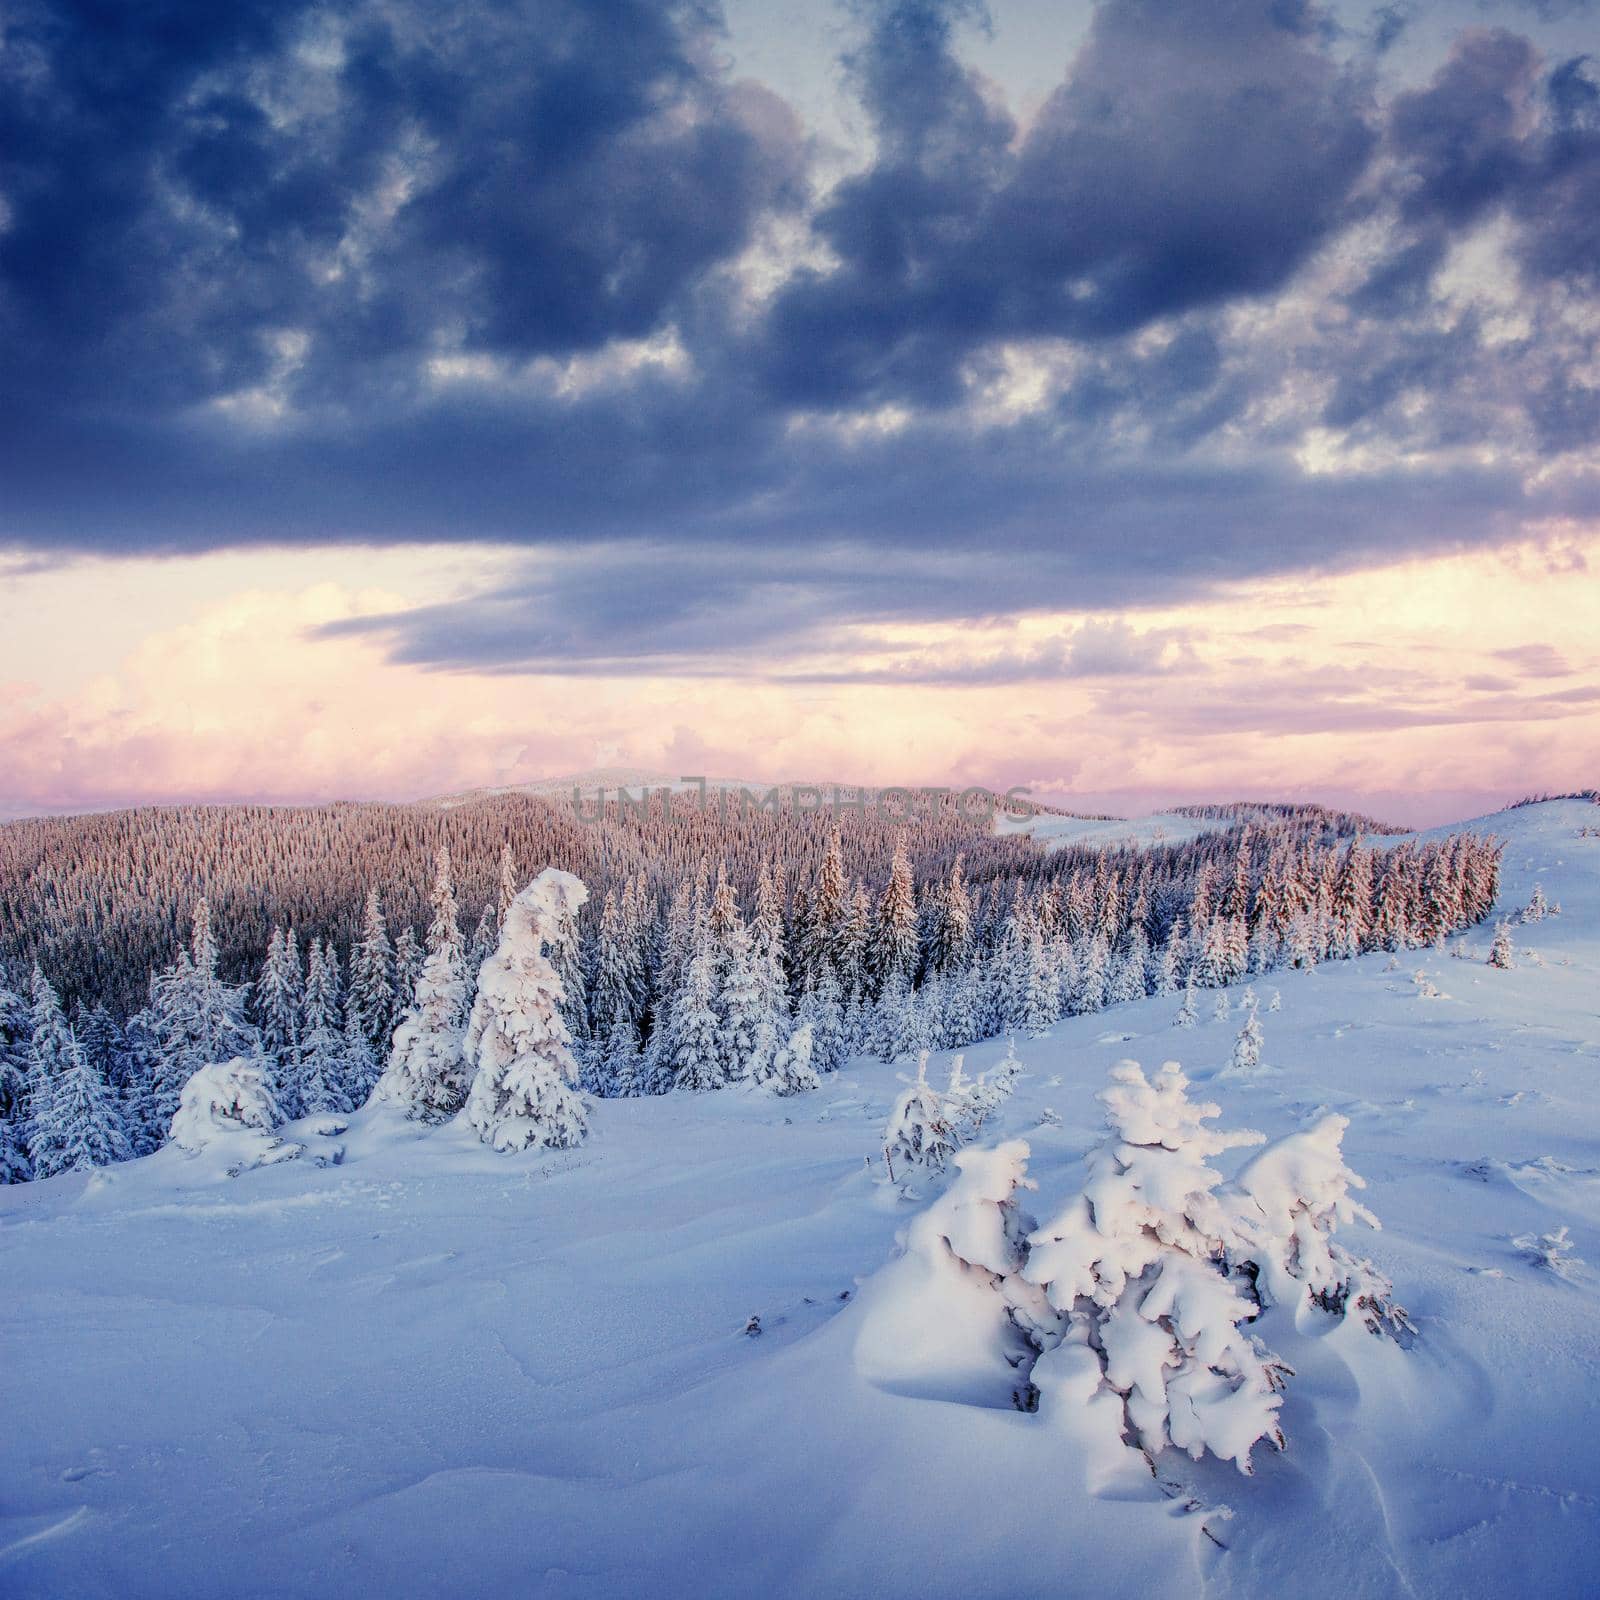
x=789, y=1069
x=920, y=1137
x=951, y=934
x=1132, y=1263
x=895, y=937
x=1167, y=966
x=523, y=1094
x=1247, y=1046
x=1502, y=953
x=696, y=1045
x=276, y=1003
x=1187, y=1015
x=81, y=1125
x=444, y=931
x=409, y=959
x=318, y=1084
x=426, y=1074
x=51, y=1051
x=16, y=1042
x=370, y=1002
x=818, y=949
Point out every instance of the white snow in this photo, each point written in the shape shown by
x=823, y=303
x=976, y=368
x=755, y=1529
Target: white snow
x=436, y=1369
x=1108, y=833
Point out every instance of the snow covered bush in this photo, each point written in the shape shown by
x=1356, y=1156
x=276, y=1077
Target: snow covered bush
x=523, y=1095
x=1245, y=1060
x=222, y=1098
x=1502, y=953
x=952, y=1317
x=1186, y=1012
x=1552, y=1251
x=920, y=1136
x=1288, y=1201
x=228, y=1109
x=1137, y=1263
x=1537, y=908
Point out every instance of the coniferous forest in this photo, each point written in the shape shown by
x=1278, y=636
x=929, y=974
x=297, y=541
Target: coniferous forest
x=340, y=947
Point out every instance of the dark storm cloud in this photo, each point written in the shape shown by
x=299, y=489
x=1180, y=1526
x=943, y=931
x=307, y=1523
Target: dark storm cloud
x=184, y=183
x=1194, y=156
x=298, y=273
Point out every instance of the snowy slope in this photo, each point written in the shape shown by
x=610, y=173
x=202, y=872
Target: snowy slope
x=432, y=1370
x=1109, y=833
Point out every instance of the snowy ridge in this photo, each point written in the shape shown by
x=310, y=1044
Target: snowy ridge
x=375, y=1369
x=1113, y=833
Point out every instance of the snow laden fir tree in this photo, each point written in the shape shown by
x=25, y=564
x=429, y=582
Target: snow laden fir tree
x=524, y=1093
x=1129, y=1316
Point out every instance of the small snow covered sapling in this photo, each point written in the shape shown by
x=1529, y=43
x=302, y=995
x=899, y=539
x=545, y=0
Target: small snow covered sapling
x=1552, y=1251
x=1186, y=1012
x=1276, y=1002
x=1288, y=1201
x=523, y=1095
x=1537, y=908
x=1246, y=1057
x=1136, y=1264
x=920, y=1135
x=1502, y=953
x=1220, y=1011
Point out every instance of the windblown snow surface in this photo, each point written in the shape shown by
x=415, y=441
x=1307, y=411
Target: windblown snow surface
x=434, y=1370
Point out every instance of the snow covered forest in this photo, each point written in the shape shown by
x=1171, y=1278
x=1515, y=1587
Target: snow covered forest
x=717, y=1343
x=146, y=946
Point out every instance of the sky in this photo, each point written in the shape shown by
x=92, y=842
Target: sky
x=1139, y=402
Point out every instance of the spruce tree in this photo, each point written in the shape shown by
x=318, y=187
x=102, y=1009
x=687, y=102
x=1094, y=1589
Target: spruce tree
x=895, y=937
x=523, y=1093
x=51, y=1053
x=80, y=1126
x=371, y=996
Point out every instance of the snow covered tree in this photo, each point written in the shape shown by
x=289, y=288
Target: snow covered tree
x=80, y=1124
x=1187, y=1014
x=822, y=1011
x=16, y=1040
x=920, y=1136
x=1537, y=908
x=228, y=1108
x=1246, y=1055
x=193, y=1018
x=789, y=1069
x=370, y=1000
x=696, y=1030
x=1165, y=979
x=522, y=1094
x=51, y=1048
x=317, y=1084
x=426, y=1074
x=1288, y=1201
x=615, y=988
x=276, y=999
x=954, y=1308
x=1128, y=971
x=1133, y=1260
x=1502, y=953
x=950, y=937
x=896, y=938
x=444, y=930
x=409, y=957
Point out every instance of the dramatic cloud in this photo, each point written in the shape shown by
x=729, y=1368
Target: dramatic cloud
x=548, y=274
